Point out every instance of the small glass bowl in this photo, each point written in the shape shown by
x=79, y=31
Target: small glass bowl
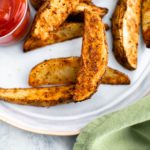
x=19, y=31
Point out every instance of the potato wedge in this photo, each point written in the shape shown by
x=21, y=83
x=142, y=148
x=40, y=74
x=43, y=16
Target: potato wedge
x=94, y=57
x=67, y=31
x=50, y=16
x=64, y=71
x=82, y=6
x=55, y=71
x=38, y=96
x=146, y=22
x=115, y=77
x=125, y=30
x=38, y=3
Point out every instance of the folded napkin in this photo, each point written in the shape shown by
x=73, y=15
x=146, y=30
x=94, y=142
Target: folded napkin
x=127, y=129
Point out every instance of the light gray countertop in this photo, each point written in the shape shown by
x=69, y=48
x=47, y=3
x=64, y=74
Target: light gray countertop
x=12, y=138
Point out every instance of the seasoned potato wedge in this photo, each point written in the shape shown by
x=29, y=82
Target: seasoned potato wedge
x=115, y=77
x=38, y=3
x=94, y=57
x=146, y=21
x=64, y=71
x=125, y=30
x=82, y=6
x=55, y=71
x=67, y=31
x=50, y=16
x=38, y=96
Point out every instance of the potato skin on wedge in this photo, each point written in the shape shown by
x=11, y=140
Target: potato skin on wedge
x=55, y=71
x=38, y=96
x=64, y=71
x=94, y=57
x=146, y=22
x=65, y=32
x=73, y=28
x=125, y=30
x=50, y=16
x=115, y=77
x=38, y=3
x=82, y=6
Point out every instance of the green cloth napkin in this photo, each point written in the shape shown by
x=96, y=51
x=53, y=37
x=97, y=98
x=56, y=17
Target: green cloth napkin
x=127, y=129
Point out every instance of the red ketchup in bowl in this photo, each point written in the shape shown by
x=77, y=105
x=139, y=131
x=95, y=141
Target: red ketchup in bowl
x=14, y=20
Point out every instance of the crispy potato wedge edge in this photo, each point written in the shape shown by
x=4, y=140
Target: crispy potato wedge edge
x=115, y=77
x=64, y=70
x=50, y=16
x=94, y=57
x=125, y=30
x=38, y=3
x=66, y=30
x=38, y=96
x=146, y=22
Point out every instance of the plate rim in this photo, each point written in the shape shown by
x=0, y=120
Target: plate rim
x=57, y=133
x=12, y=122
x=25, y=128
x=39, y=131
x=29, y=129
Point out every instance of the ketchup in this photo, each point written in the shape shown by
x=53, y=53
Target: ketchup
x=14, y=18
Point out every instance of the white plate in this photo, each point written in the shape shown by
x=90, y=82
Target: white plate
x=70, y=118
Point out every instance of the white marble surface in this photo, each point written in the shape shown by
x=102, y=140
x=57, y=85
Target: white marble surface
x=12, y=138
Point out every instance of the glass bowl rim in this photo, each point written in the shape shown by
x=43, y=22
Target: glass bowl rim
x=18, y=25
